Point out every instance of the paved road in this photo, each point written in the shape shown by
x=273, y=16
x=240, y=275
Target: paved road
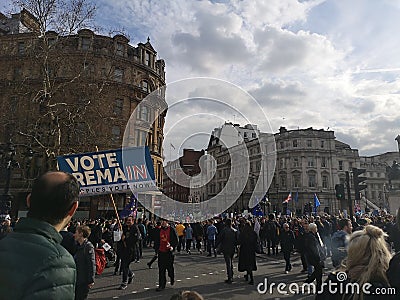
x=203, y=274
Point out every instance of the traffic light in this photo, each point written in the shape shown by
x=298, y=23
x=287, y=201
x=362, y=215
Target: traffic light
x=339, y=188
x=357, y=180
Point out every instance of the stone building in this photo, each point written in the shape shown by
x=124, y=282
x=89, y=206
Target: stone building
x=302, y=162
x=380, y=191
x=62, y=94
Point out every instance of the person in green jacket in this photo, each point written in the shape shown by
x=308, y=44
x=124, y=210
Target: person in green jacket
x=33, y=264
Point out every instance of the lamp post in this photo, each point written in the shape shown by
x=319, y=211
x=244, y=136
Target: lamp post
x=7, y=158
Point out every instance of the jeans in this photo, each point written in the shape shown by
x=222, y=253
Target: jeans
x=211, y=244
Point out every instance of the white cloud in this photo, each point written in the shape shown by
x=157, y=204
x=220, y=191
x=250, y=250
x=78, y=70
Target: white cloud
x=309, y=63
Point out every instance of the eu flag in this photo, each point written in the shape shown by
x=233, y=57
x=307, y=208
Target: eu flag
x=129, y=208
x=316, y=202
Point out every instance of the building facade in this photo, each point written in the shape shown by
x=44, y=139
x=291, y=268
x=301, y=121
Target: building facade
x=72, y=94
x=302, y=162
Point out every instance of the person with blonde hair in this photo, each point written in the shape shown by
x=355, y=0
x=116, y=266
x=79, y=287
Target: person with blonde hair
x=367, y=261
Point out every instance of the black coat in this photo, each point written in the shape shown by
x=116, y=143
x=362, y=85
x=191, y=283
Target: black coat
x=311, y=249
x=68, y=242
x=247, y=253
x=287, y=240
x=85, y=263
x=227, y=241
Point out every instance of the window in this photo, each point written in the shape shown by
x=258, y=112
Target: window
x=86, y=41
x=325, y=181
x=118, y=107
x=282, y=180
x=14, y=104
x=120, y=49
x=245, y=134
x=253, y=135
x=309, y=143
x=311, y=180
x=322, y=144
x=116, y=133
x=141, y=137
x=147, y=58
x=311, y=162
x=323, y=162
x=118, y=74
x=296, y=180
x=340, y=165
x=294, y=143
x=282, y=145
x=282, y=163
x=143, y=113
x=17, y=72
x=51, y=42
x=296, y=162
x=350, y=165
x=87, y=68
x=21, y=48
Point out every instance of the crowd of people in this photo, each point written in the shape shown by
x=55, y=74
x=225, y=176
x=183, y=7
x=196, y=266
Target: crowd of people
x=361, y=247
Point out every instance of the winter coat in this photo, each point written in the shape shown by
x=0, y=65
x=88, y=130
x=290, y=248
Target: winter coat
x=33, y=264
x=311, y=249
x=247, y=253
x=227, y=241
x=85, y=263
x=287, y=240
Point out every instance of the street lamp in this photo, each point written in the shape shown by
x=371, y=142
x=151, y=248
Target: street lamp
x=7, y=158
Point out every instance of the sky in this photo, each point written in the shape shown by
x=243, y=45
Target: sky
x=332, y=65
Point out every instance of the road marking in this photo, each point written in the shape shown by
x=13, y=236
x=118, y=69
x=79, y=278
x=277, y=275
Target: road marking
x=188, y=278
x=196, y=276
x=134, y=292
x=204, y=274
x=146, y=288
x=222, y=270
x=211, y=273
x=179, y=280
x=115, y=297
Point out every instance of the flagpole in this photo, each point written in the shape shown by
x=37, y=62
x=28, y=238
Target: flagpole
x=116, y=212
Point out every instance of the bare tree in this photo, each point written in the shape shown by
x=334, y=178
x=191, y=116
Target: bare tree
x=45, y=88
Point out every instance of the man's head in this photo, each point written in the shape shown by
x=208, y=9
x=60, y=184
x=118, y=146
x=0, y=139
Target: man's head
x=286, y=227
x=129, y=221
x=164, y=223
x=228, y=222
x=54, y=198
x=345, y=225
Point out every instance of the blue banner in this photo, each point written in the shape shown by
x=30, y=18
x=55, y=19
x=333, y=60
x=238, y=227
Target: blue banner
x=111, y=171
